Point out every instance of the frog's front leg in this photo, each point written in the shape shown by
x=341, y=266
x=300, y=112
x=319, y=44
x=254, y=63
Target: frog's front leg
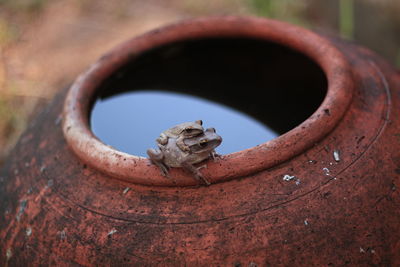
x=181, y=144
x=195, y=171
x=214, y=155
x=157, y=158
x=162, y=139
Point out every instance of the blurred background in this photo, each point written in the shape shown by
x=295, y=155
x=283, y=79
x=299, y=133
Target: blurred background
x=45, y=44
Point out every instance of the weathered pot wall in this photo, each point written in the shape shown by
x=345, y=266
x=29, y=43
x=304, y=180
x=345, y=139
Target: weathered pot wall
x=341, y=207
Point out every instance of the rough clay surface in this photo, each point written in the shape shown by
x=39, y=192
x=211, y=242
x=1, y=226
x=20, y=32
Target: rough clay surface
x=337, y=208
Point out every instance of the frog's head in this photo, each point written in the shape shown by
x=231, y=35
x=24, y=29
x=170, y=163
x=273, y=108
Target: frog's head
x=191, y=129
x=205, y=142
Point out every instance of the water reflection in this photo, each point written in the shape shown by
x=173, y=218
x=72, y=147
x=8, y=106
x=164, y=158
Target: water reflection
x=132, y=121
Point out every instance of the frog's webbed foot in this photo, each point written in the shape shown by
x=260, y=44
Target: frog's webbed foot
x=196, y=172
x=156, y=158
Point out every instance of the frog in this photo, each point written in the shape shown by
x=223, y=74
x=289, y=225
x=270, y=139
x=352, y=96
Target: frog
x=180, y=132
x=201, y=148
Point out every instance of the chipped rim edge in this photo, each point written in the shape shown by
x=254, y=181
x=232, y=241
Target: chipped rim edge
x=139, y=170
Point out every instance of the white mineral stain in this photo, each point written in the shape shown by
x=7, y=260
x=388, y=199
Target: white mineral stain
x=126, y=190
x=288, y=177
x=28, y=231
x=63, y=234
x=9, y=253
x=336, y=155
x=21, y=210
x=113, y=231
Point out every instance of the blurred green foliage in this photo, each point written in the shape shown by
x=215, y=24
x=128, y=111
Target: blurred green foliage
x=346, y=18
x=373, y=24
x=10, y=117
x=8, y=33
x=296, y=12
x=23, y=5
x=288, y=10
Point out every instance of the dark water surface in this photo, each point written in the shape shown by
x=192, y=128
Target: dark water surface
x=131, y=121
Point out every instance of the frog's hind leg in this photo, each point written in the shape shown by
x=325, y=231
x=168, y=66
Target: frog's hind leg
x=156, y=158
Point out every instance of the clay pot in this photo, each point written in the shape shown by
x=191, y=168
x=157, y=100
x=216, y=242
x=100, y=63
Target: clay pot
x=324, y=193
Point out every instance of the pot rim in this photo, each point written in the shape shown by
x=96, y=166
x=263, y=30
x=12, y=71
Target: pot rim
x=139, y=170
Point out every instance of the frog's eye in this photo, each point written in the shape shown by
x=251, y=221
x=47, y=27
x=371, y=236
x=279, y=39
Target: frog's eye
x=188, y=130
x=203, y=143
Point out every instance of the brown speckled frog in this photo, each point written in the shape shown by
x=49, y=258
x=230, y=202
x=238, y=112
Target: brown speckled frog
x=180, y=132
x=200, y=148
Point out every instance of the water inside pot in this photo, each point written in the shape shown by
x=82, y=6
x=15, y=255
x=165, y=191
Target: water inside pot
x=132, y=121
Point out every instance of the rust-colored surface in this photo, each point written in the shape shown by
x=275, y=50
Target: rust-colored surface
x=340, y=203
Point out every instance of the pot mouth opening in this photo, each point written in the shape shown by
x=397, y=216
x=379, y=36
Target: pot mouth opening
x=274, y=84
x=290, y=79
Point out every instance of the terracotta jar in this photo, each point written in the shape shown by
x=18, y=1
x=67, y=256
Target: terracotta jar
x=323, y=193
